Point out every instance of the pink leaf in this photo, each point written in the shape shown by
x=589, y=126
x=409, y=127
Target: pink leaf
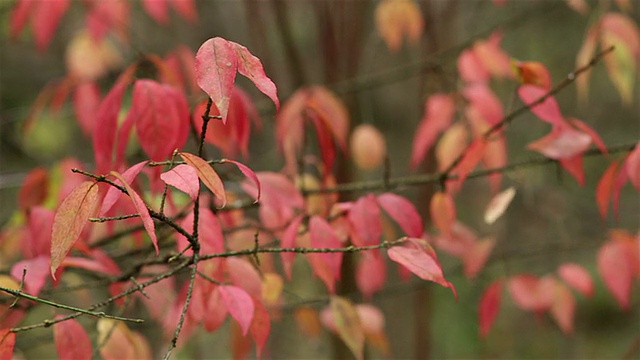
x=113, y=194
x=472, y=156
x=563, y=307
x=251, y=67
x=207, y=174
x=403, y=212
x=577, y=277
x=370, y=273
x=288, y=241
x=186, y=8
x=471, y=68
x=632, y=166
x=597, y=140
x=260, y=326
x=248, y=173
x=245, y=276
x=548, y=110
x=530, y=293
x=216, y=311
x=498, y=205
x=485, y=102
x=439, y=110
x=72, y=341
x=615, y=265
x=46, y=18
x=35, y=275
x=19, y=16
x=476, y=256
x=157, y=9
x=489, y=307
x=325, y=265
x=141, y=208
x=364, y=216
x=184, y=178
x=209, y=232
x=70, y=219
x=216, y=66
x=605, y=188
x=86, y=99
x=562, y=142
x=420, y=258
x=239, y=305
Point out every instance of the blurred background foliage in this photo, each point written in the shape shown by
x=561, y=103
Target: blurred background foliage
x=552, y=219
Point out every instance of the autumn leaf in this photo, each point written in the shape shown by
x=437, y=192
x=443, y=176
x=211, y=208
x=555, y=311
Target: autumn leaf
x=348, y=325
x=420, y=258
x=141, y=208
x=239, y=304
x=403, y=212
x=605, y=188
x=547, y=110
x=113, y=194
x=248, y=173
x=364, y=217
x=489, y=307
x=184, y=178
x=534, y=73
x=577, y=277
x=368, y=147
x=325, y=265
x=439, y=110
x=288, y=240
x=207, y=174
x=562, y=142
x=632, y=166
x=443, y=211
x=616, y=267
x=120, y=342
x=251, y=67
x=371, y=273
x=34, y=189
x=498, y=205
x=71, y=217
x=398, y=18
x=7, y=343
x=72, y=341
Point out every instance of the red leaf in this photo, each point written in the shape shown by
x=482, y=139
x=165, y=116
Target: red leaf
x=71, y=217
x=470, y=159
x=161, y=118
x=471, y=68
x=443, y=211
x=209, y=232
x=106, y=124
x=616, y=267
x=7, y=342
x=370, y=273
x=251, y=67
x=157, y=9
x=247, y=172
x=141, y=208
x=113, y=194
x=548, y=110
x=489, y=307
x=72, y=341
x=281, y=199
x=325, y=265
x=632, y=166
x=403, y=212
x=20, y=15
x=184, y=178
x=34, y=188
x=37, y=240
x=531, y=293
x=497, y=62
x=239, y=305
x=498, y=205
x=46, y=18
x=328, y=106
x=288, y=240
x=260, y=326
x=485, y=101
x=597, y=140
x=108, y=15
x=216, y=66
x=207, y=174
x=577, y=277
x=364, y=216
x=86, y=99
x=245, y=275
x=420, y=258
x=563, y=142
x=216, y=311
x=439, y=110
x=605, y=188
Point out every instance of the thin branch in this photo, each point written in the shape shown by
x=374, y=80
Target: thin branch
x=113, y=218
x=66, y=307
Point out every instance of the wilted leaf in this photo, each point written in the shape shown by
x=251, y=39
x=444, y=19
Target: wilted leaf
x=348, y=325
x=239, y=304
x=207, y=174
x=489, y=307
x=368, y=147
x=72, y=341
x=498, y=205
x=70, y=219
x=184, y=178
x=142, y=209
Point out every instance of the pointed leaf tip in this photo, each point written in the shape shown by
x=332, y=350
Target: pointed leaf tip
x=207, y=174
x=248, y=173
x=70, y=219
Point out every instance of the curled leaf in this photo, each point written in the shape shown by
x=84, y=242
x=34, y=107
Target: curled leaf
x=247, y=172
x=207, y=174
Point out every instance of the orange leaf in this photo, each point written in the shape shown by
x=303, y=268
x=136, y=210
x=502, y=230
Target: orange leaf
x=141, y=208
x=533, y=72
x=396, y=18
x=605, y=188
x=443, y=211
x=451, y=145
x=70, y=219
x=119, y=342
x=207, y=174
